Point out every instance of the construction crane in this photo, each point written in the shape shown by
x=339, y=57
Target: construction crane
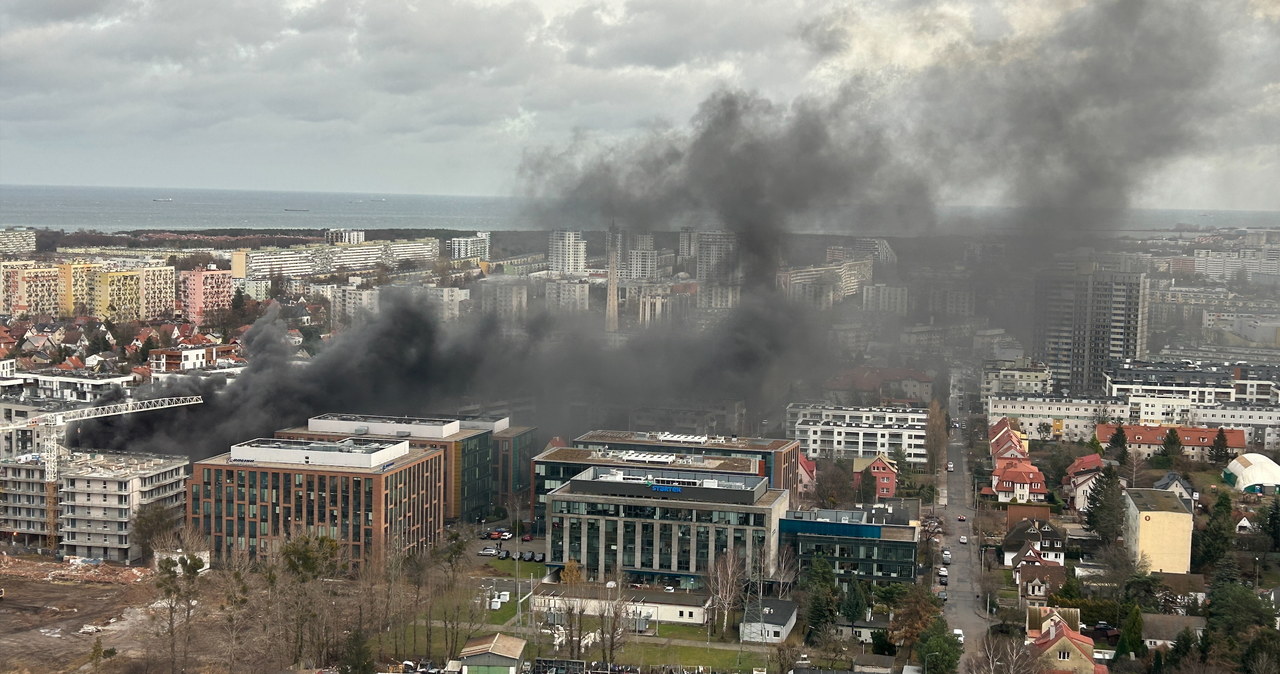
x=54, y=427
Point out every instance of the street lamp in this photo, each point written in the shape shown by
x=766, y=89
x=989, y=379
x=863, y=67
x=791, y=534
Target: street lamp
x=926, y=661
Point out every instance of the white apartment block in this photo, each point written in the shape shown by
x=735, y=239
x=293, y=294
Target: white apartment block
x=567, y=297
x=333, y=236
x=1227, y=265
x=566, y=252
x=642, y=264
x=1260, y=423
x=98, y=495
x=76, y=385
x=848, y=277
x=1021, y=376
x=465, y=247
x=17, y=241
x=446, y=303
x=852, y=440
x=810, y=412
x=157, y=286
x=509, y=301
x=886, y=298
x=299, y=261
x=1069, y=418
x=717, y=257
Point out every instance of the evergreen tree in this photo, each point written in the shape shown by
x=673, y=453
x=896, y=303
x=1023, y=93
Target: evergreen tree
x=1095, y=446
x=1172, y=444
x=938, y=641
x=854, y=606
x=357, y=658
x=1273, y=523
x=1119, y=444
x=1181, y=648
x=1106, y=507
x=1210, y=545
x=1219, y=453
x=1131, y=635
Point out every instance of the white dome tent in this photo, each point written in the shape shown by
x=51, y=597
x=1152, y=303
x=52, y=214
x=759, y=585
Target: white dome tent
x=1253, y=473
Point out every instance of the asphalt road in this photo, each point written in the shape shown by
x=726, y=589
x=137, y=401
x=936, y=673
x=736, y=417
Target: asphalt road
x=963, y=608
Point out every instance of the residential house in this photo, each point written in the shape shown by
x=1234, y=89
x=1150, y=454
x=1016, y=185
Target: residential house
x=880, y=470
x=1179, y=485
x=1017, y=480
x=808, y=475
x=1185, y=589
x=492, y=654
x=767, y=621
x=1196, y=440
x=1047, y=539
x=861, y=630
x=1006, y=441
x=1160, y=630
x=1056, y=640
x=1079, y=479
x=1036, y=583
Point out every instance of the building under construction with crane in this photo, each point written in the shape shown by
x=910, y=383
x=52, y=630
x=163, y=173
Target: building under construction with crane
x=83, y=503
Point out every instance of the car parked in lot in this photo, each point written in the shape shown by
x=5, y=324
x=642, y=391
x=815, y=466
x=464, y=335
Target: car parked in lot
x=506, y=536
x=540, y=558
x=527, y=556
x=964, y=540
x=488, y=552
x=526, y=538
x=495, y=535
x=942, y=571
x=484, y=535
x=504, y=554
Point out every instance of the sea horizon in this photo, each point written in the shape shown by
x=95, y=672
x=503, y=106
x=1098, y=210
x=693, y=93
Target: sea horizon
x=119, y=209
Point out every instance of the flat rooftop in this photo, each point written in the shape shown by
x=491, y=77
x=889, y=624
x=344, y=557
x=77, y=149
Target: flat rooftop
x=679, y=440
x=377, y=468
x=673, y=478
x=375, y=418
x=870, y=410
x=1156, y=500
x=345, y=446
x=631, y=458
x=829, y=423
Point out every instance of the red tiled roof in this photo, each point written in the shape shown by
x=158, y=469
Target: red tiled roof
x=1085, y=463
x=1191, y=436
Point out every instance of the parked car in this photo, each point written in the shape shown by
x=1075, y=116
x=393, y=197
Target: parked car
x=526, y=538
x=504, y=554
x=962, y=518
x=527, y=556
x=951, y=467
x=506, y=536
x=942, y=580
x=488, y=552
x=964, y=540
x=495, y=535
x=484, y=535
x=942, y=571
x=946, y=556
x=540, y=557
x=942, y=594
x=959, y=635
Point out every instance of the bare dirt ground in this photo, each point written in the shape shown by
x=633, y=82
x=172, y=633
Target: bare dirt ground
x=40, y=621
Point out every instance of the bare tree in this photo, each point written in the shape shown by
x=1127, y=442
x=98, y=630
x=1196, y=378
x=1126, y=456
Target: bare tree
x=460, y=614
x=1002, y=655
x=235, y=582
x=788, y=568
x=615, y=619
x=724, y=582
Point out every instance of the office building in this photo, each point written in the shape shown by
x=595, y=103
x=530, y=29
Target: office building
x=205, y=293
x=566, y=252
x=1020, y=376
x=464, y=247
x=374, y=496
x=873, y=543
x=887, y=299
x=466, y=442
x=780, y=459
x=1157, y=526
x=1086, y=321
x=97, y=497
x=662, y=526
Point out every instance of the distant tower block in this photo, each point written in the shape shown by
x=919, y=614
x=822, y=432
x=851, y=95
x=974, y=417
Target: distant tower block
x=611, y=303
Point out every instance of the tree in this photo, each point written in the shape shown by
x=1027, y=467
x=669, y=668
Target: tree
x=1131, y=636
x=1234, y=609
x=1273, y=523
x=724, y=582
x=1172, y=446
x=914, y=615
x=831, y=485
x=1181, y=648
x=178, y=579
x=856, y=602
x=1106, y=507
x=936, y=435
x=881, y=644
x=1045, y=429
x=1095, y=446
x=1210, y=544
x=1119, y=443
x=151, y=522
x=1002, y=655
x=941, y=647
x=356, y=656
x=1219, y=453
x=571, y=574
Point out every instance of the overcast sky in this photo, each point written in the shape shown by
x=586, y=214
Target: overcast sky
x=445, y=96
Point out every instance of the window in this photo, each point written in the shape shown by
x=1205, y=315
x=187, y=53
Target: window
x=1064, y=655
x=777, y=634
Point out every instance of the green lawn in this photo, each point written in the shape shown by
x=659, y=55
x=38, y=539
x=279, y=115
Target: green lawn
x=690, y=656
x=502, y=615
x=692, y=632
x=507, y=568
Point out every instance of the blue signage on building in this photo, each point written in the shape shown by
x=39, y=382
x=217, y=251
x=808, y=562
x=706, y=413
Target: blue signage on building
x=663, y=487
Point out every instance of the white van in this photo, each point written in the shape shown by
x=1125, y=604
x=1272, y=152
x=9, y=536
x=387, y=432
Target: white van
x=951, y=467
x=946, y=556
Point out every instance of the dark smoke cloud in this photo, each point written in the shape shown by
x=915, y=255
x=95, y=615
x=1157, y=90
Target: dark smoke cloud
x=402, y=363
x=1065, y=127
